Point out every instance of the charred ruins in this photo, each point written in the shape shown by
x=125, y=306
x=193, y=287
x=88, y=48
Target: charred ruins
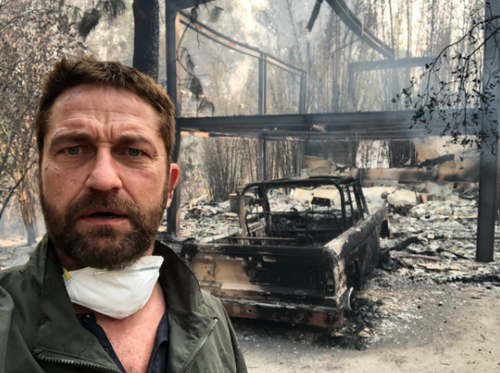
x=349, y=192
x=438, y=213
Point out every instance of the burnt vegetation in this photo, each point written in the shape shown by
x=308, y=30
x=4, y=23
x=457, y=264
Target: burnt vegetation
x=33, y=36
x=459, y=87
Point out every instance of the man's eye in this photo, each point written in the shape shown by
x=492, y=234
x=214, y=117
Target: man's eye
x=74, y=150
x=134, y=152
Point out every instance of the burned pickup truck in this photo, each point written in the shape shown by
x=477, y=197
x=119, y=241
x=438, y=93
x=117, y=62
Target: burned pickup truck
x=295, y=261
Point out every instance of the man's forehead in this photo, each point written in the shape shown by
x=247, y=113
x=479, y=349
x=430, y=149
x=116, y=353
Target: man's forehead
x=100, y=101
x=73, y=96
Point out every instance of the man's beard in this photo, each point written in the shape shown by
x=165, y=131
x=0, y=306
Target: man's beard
x=103, y=247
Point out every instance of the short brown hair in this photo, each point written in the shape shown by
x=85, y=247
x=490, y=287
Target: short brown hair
x=72, y=72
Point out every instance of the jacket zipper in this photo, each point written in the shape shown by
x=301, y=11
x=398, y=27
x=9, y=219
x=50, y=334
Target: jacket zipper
x=75, y=363
x=200, y=347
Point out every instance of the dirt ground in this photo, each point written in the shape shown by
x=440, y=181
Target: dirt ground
x=419, y=327
x=399, y=325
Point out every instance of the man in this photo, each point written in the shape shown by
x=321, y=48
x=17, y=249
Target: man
x=99, y=294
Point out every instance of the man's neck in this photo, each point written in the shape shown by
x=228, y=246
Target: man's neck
x=66, y=262
x=72, y=265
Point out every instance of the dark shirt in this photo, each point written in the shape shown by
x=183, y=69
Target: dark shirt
x=158, y=361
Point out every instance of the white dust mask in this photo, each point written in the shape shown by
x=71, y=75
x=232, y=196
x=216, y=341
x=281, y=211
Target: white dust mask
x=116, y=294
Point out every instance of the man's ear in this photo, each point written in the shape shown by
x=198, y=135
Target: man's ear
x=175, y=173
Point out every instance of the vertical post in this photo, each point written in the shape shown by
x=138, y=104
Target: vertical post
x=302, y=110
x=488, y=168
x=300, y=156
x=173, y=70
x=350, y=89
x=302, y=94
x=262, y=85
x=261, y=164
x=261, y=154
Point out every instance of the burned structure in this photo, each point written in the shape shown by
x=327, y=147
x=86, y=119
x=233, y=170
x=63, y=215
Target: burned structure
x=347, y=126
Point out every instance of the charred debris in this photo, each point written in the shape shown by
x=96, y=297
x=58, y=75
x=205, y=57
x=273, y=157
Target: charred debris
x=432, y=242
x=433, y=236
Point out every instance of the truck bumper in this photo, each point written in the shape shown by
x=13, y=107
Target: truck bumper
x=320, y=316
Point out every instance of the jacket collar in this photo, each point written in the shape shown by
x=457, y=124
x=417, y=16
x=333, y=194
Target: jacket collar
x=61, y=335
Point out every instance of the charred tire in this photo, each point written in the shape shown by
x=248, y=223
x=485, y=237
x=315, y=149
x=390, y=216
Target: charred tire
x=347, y=300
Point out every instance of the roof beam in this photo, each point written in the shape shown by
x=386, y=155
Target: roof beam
x=227, y=42
x=394, y=124
x=356, y=26
x=403, y=63
x=375, y=135
x=332, y=120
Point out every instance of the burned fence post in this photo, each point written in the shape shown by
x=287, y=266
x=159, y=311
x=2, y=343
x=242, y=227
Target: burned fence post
x=488, y=169
x=172, y=40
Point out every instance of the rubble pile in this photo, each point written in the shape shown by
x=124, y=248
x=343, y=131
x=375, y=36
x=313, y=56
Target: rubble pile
x=433, y=241
x=205, y=221
x=436, y=241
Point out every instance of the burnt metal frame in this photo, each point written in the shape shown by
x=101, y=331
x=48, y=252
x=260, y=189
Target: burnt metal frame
x=262, y=186
x=488, y=167
x=173, y=17
x=356, y=26
x=264, y=59
x=404, y=63
x=359, y=126
x=488, y=184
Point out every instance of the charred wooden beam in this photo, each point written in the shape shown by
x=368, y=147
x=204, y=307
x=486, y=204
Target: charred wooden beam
x=429, y=163
x=415, y=175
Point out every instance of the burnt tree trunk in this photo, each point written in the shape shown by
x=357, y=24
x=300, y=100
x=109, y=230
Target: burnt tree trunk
x=26, y=202
x=146, y=36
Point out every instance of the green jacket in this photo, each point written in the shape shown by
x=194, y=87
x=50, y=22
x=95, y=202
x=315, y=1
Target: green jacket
x=40, y=333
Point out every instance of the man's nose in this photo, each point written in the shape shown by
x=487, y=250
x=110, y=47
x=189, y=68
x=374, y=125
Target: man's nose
x=104, y=175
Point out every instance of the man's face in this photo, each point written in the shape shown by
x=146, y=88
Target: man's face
x=103, y=176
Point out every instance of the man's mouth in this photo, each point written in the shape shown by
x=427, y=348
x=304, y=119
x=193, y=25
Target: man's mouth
x=103, y=215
